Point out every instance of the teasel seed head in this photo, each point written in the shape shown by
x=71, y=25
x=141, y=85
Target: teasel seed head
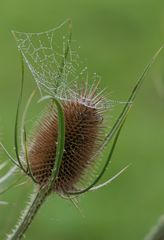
x=83, y=131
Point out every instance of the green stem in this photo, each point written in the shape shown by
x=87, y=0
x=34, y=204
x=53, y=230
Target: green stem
x=28, y=215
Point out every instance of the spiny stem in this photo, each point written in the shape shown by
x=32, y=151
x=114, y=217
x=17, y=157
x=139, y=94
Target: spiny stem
x=28, y=215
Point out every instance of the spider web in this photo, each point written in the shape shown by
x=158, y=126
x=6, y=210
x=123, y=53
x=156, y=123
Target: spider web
x=52, y=57
x=52, y=61
x=56, y=68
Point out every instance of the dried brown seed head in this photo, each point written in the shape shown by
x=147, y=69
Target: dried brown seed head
x=83, y=124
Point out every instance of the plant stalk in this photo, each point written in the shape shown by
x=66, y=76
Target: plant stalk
x=29, y=213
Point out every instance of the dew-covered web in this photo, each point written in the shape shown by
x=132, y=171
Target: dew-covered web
x=52, y=60
x=57, y=69
x=52, y=57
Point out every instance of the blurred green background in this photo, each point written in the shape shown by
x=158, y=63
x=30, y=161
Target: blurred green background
x=118, y=38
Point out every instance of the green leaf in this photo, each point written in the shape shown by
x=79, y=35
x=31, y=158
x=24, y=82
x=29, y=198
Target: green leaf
x=130, y=99
x=17, y=118
x=110, y=180
x=118, y=125
x=60, y=139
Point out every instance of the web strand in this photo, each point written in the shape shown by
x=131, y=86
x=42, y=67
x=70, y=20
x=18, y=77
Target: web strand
x=44, y=52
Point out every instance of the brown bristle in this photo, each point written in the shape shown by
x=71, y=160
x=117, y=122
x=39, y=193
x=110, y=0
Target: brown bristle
x=82, y=126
